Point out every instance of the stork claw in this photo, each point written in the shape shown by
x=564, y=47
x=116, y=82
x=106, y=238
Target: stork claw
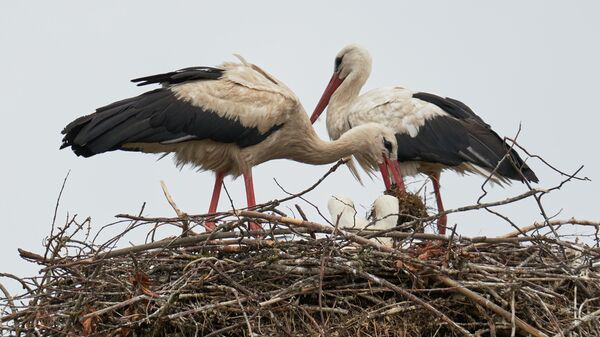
x=210, y=225
x=253, y=226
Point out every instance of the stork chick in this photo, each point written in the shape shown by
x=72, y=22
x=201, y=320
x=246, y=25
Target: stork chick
x=384, y=214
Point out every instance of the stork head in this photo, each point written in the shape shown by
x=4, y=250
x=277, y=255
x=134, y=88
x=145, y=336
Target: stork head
x=384, y=214
x=377, y=147
x=376, y=143
x=385, y=209
x=384, y=145
x=352, y=64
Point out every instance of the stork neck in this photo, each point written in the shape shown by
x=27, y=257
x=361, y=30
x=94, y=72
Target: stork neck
x=345, y=95
x=318, y=152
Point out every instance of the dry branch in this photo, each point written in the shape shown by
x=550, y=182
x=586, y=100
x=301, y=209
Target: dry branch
x=334, y=281
x=238, y=282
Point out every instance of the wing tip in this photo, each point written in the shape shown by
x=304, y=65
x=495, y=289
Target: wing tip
x=141, y=81
x=529, y=175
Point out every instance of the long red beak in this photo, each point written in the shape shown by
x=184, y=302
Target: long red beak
x=334, y=83
x=396, y=173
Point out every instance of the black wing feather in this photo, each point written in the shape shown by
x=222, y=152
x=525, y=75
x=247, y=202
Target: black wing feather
x=487, y=145
x=432, y=146
x=181, y=75
x=451, y=141
x=454, y=107
x=157, y=116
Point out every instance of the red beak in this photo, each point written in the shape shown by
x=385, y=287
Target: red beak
x=396, y=173
x=334, y=83
x=385, y=175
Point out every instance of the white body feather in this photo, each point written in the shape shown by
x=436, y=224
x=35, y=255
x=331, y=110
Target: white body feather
x=394, y=107
x=385, y=211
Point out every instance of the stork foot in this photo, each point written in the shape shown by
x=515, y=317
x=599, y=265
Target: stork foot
x=253, y=226
x=210, y=225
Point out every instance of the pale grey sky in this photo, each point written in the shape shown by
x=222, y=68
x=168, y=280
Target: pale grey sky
x=529, y=62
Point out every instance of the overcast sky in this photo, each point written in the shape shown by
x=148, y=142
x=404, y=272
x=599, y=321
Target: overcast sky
x=529, y=62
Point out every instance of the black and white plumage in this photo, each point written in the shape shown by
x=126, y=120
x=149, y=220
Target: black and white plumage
x=158, y=116
x=226, y=119
x=462, y=137
x=433, y=133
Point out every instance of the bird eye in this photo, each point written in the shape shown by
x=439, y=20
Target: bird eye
x=338, y=63
x=388, y=145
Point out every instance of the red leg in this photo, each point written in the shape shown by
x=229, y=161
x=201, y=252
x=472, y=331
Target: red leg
x=443, y=220
x=385, y=175
x=214, y=201
x=250, y=196
x=396, y=173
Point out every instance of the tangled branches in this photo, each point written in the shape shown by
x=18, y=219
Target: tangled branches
x=286, y=282
x=300, y=277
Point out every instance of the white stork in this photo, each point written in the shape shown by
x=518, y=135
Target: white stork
x=226, y=119
x=433, y=133
x=384, y=214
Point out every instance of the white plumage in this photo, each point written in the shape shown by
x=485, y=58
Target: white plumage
x=226, y=119
x=433, y=133
x=384, y=214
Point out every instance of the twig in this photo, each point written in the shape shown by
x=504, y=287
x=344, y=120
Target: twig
x=577, y=322
x=490, y=305
x=538, y=225
x=180, y=214
x=407, y=295
x=237, y=297
x=205, y=308
x=319, y=227
x=312, y=187
x=11, y=304
x=116, y=306
x=62, y=188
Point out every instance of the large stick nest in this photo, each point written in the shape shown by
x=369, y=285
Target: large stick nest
x=288, y=283
x=303, y=278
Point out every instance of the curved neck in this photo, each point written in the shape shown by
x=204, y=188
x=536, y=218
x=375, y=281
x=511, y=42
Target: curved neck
x=314, y=150
x=347, y=93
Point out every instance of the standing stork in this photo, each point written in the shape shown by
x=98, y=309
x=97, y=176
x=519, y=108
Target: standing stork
x=433, y=133
x=225, y=119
